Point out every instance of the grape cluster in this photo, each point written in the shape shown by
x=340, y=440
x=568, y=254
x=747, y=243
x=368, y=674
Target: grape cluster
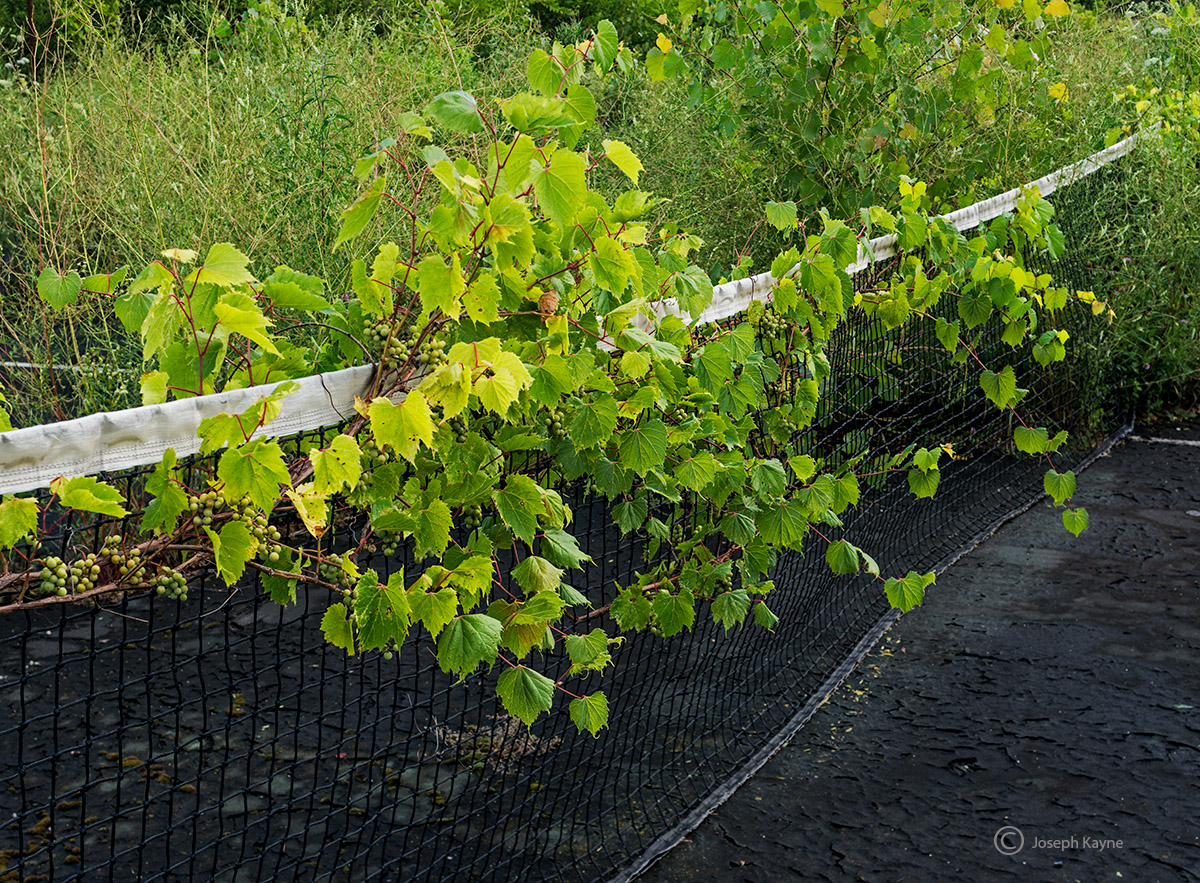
x=472, y=516
x=129, y=565
x=458, y=425
x=774, y=326
x=255, y=519
x=203, y=506
x=331, y=570
x=556, y=424
x=373, y=455
x=171, y=584
x=723, y=583
x=389, y=541
x=433, y=353
x=54, y=575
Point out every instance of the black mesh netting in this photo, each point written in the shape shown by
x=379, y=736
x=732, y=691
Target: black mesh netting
x=223, y=739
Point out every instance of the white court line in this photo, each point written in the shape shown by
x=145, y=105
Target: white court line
x=1187, y=442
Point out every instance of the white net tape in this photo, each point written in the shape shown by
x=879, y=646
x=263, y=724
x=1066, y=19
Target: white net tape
x=32, y=458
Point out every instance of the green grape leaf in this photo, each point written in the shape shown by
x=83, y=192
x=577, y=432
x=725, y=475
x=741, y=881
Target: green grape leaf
x=674, y=612
x=644, y=447
x=469, y=641
x=947, y=334
x=923, y=484
x=730, y=608
x=281, y=588
x=974, y=306
x=431, y=535
x=589, y=652
x=551, y=381
x=106, y=283
x=842, y=558
x=606, y=45
x=544, y=73
x=631, y=611
x=590, y=712
x=449, y=386
x=783, y=525
x=525, y=693
x=132, y=308
x=88, y=494
x=768, y=478
x=382, y=610
x=764, y=617
x=224, y=266
x=336, y=466
x=404, y=426
x=738, y=527
x=594, y=422
x=561, y=187
x=336, y=627
x=696, y=472
x=1000, y=388
x=441, y=285
x=542, y=608
x=518, y=505
x=170, y=499
x=481, y=300
x=909, y=591
x=359, y=213
x=18, y=519
x=631, y=514
x=58, y=290
x=1032, y=441
x=434, y=609
x=781, y=215
x=232, y=548
x=1075, y=520
x=289, y=289
x=239, y=312
x=257, y=470
x=1060, y=486
x=612, y=265
x=623, y=158
x=457, y=111
x=536, y=574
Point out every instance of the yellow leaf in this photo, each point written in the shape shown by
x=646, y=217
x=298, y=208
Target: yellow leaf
x=908, y=131
x=663, y=20
x=1057, y=8
x=1059, y=92
x=1006, y=4
x=310, y=506
x=182, y=255
x=664, y=44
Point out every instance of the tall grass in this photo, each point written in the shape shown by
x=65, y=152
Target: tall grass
x=203, y=135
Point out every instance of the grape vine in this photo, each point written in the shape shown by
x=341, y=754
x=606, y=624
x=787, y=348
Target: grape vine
x=529, y=333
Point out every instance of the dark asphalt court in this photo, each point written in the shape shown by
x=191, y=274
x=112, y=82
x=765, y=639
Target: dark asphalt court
x=1050, y=685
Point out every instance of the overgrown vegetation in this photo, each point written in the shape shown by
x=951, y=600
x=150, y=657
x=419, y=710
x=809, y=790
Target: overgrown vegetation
x=243, y=122
x=528, y=333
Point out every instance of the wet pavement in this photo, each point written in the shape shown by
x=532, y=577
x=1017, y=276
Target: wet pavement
x=1037, y=719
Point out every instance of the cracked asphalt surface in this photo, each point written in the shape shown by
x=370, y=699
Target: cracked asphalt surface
x=1049, y=684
